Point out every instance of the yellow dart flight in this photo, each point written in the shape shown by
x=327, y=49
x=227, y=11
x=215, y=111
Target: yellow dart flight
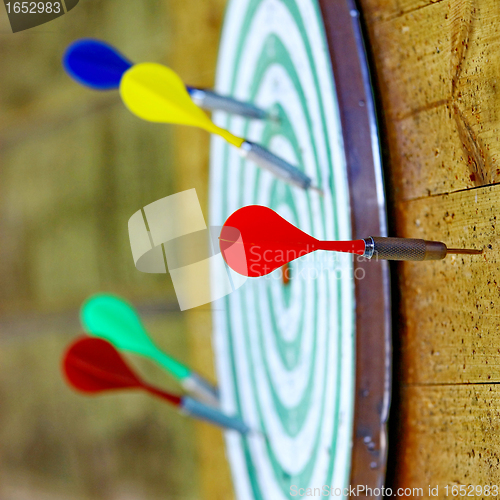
x=156, y=93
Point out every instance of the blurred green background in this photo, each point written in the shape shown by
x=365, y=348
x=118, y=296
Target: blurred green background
x=74, y=166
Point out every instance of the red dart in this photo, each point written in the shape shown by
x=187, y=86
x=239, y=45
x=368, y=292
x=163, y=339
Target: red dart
x=93, y=365
x=269, y=242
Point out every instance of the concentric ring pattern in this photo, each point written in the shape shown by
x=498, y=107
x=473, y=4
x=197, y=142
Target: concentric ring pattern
x=285, y=354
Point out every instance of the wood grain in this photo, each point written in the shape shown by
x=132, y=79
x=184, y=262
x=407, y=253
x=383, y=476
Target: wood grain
x=437, y=69
x=438, y=77
x=452, y=328
x=456, y=419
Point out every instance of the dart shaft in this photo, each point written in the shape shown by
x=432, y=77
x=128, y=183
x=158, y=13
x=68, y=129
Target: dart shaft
x=465, y=251
x=192, y=382
x=276, y=165
x=201, y=388
x=203, y=412
x=210, y=100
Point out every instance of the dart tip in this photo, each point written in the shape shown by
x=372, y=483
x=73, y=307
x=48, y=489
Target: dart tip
x=466, y=251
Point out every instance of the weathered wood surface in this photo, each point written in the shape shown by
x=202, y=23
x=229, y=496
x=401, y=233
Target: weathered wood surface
x=438, y=74
x=437, y=68
x=451, y=332
x=195, y=27
x=449, y=439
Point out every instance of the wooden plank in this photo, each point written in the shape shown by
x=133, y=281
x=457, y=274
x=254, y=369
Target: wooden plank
x=451, y=328
x=446, y=435
x=449, y=345
x=385, y=10
x=437, y=71
x=428, y=163
x=414, y=57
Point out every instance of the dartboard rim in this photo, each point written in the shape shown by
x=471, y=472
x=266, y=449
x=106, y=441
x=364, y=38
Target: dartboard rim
x=368, y=214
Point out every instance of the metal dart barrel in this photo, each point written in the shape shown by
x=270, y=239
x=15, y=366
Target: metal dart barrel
x=207, y=99
x=378, y=247
x=276, y=165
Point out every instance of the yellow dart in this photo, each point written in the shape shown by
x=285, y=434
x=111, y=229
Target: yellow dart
x=156, y=93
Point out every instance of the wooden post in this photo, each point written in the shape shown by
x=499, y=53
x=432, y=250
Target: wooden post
x=437, y=67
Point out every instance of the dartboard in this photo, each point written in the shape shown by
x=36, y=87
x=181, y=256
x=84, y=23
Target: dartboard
x=292, y=354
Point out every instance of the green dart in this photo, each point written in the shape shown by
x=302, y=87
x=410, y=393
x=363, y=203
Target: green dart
x=111, y=318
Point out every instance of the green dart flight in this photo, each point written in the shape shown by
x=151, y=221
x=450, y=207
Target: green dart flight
x=111, y=318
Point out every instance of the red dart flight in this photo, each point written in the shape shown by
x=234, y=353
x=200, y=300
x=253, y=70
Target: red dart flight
x=93, y=365
x=255, y=241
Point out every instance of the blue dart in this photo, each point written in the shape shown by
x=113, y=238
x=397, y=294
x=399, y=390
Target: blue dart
x=95, y=64
x=100, y=66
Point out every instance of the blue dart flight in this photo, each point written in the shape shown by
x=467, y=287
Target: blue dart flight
x=100, y=66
